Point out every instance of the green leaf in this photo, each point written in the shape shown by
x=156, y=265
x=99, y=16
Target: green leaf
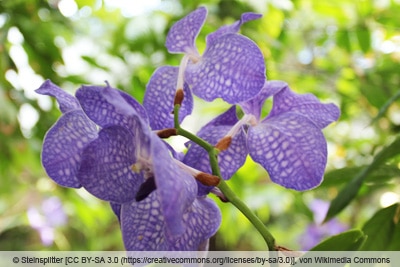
x=350, y=240
x=94, y=63
x=343, y=39
x=395, y=243
x=381, y=228
x=349, y=192
x=364, y=38
x=381, y=174
x=386, y=106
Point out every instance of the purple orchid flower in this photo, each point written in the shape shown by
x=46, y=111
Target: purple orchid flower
x=289, y=142
x=127, y=164
x=232, y=66
x=166, y=213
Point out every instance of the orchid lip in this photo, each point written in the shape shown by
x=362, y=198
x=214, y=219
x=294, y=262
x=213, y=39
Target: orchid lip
x=146, y=188
x=143, y=166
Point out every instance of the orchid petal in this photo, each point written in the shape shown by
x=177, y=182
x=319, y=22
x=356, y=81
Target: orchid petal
x=97, y=106
x=63, y=146
x=66, y=101
x=291, y=148
x=306, y=105
x=254, y=105
x=106, y=164
x=182, y=35
x=234, y=28
x=173, y=185
x=232, y=68
x=202, y=221
x=159, y=98
x=143, y=225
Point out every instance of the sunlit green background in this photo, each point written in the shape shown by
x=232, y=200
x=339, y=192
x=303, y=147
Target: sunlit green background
x=346, y=52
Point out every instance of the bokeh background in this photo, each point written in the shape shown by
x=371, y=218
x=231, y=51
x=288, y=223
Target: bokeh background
x=346, y=52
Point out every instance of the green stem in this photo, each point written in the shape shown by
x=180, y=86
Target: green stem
x=240, y=205
x=223, y=186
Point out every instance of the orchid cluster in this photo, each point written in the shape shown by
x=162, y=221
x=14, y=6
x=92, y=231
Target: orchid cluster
x=111, y=145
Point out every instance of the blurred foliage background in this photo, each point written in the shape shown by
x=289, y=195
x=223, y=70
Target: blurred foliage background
x=346, y=52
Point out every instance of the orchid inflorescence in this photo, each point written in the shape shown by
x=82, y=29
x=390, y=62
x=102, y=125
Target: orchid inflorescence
x=111, y=145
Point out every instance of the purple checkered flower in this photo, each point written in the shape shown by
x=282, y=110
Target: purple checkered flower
x=289, y=142
x=166, y=213
x=127, y=164
x=232, y=66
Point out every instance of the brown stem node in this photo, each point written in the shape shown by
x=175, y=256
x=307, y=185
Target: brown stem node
x=179, y=95
x=224, y=143
x=207, y=179
x=167, y=132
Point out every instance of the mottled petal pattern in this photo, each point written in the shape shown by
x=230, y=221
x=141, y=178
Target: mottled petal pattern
x=159, y=98
x=106, y=164
x=176, y=188
x=232, y=68
x=66, y=101
x=235, y=27
x=125, y=115
x=291, y=148
x=182, y=35
x=94, y=102
x=202, y=221
x=229, y=160
x=143, y=225
x=254, y=105
x=306, y=105
x=63, y=146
